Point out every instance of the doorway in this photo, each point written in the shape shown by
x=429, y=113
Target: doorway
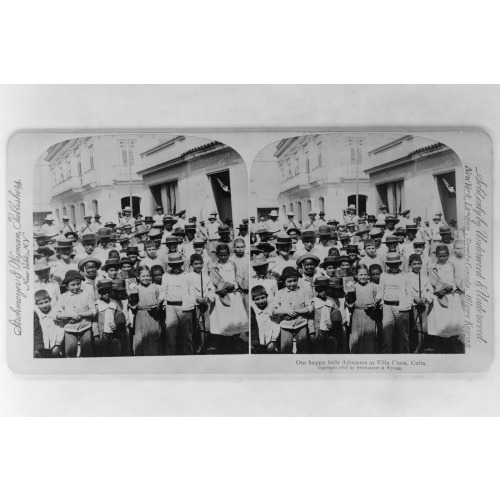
x=447, y=189
x=136, y=204
x=221, y=187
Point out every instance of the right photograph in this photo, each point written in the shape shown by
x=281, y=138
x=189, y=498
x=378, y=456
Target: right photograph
x=357, y=246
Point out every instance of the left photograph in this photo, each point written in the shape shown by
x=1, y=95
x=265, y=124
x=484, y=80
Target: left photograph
x=140, y=247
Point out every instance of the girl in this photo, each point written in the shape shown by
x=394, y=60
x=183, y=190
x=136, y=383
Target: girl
x=362, y=304
x=147, y=304
x=228, y=318
x=446, y=316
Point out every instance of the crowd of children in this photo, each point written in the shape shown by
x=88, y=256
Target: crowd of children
x=382, y=284
x=143, y=287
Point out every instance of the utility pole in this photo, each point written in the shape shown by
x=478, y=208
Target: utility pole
x=357, y=176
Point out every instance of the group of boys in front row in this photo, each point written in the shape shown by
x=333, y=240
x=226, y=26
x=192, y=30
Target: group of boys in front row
x=167, y=289
x=378, y=289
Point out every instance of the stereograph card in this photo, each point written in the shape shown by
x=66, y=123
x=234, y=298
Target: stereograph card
x=307, y=252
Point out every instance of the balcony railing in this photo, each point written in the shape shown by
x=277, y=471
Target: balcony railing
x=74, y=182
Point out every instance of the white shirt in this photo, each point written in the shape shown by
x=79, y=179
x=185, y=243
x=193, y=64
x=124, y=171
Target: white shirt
x=53, y=333
x=176, y=288
x=269, y=329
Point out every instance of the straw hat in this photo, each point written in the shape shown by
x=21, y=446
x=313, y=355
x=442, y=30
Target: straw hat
x=393, y=258
x=259, y=260
x=306, y=256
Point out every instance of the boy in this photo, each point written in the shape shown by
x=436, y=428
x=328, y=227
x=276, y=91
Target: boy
x=157, y=273
x=43, y=281
x=458, y=262
x=327, y=318
x=344, y=268
x=292, y=305
x=151, y=259
x=133, y=255
x=111, y=322
x=394, y=293
x=308, y=264
x=329, y=266
x=89, y=267
x=119, y=295
x=267, y=326
x=344, y=239
x=203, y=291
x=76, y=308
x=104, y=243
x=111, y=268
x=308, y=243
x=422, y=295
x=52, y=331
x=64, y=249
x=261, y=276
x=88, y=243
x=371, y=256
x=179, y=306
x=337, y=293
x=419, y=248
x=353, y=254
x=325, y=236
x=375, y=270
x=240, y=260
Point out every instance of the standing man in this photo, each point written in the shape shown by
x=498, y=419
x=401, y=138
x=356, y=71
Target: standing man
x=168, y=227
x=48, y=226
x=67, y=226
x=390, y=223
x=384, y=210
x=181, y=219
x=127, y=217
x=97, y=224
x=321, y=219
x=273, y=225
x=158, y=217
x=312, y=224
x=350, y=215
x=213, y=232
x=291, y=222
x=86, y=226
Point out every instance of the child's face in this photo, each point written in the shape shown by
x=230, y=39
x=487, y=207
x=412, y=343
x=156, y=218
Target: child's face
x=344, y=242
x=89, y=247
x=239, y=249
x=371, y=250
x=151, y=251
x=157, y=242
x=401, y=238
x=104, y=242
x=418, y=249
x=44, y=305
x=145, y=278
x=112, y=272
x=362, y=276
x=156, y=276
x=283, y=250
x=190, y=235
x=291, y=282
x=223, y=255
x=132, y=257
x=126, y=267
x=172, y=247
x=390, y=225
x=198, y=266
x=345, y=266
x=334, y=252
x=175, y=268
x=375, y=276
x=65, y=253
x=459, y=250
x=377, y=240
x=124, y=244
x=442, y=256
x=391, y=247
x=411, y=235
x=393, y=268
x=330, y=271
x=260, y=300
x=352, y=255
x=309, y=267
x=43, y=275
x=321, y=291
x=74, y=286
x=261, y=270
x=90, y=270
x=105, y=294
x=198, y=249
x=308, y=243
x=416, y=266
x=324, y=240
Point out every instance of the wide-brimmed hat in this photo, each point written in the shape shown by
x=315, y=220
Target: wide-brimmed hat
x=39, y=235
x=86, y=260
x=198, y=241
x=110, y=224
x=283, y=239
x=298, y=231
x=265, y=246
x=393, y=258
x=126, y=209
x=371, y=218
x=123, y=238
x=273, y=213
x=141, y=229
x=254, y=250
x=103, y=232
x=308, y=234
x=344, y=258
x=322, y=212
x=105, y=284
x=351, y=224
x=352, y=248
x=362, y=229
x=148, y=219
x=63, y=243
x=49, y=217
x=344, y=236
x=445, y=230
x=384, y=206
x=169, y=240
x=65, y=217
x=259, y=260
x=312, y=212
x=190, y=227
x=175, y=258
x=322, y=281
x=418, y=241
x=155, y=233
x=391, y=239
x=132, y=250
x=263, y=230
x=290, y=214
x=111, y=263
x=351, y=207
x=47, y=251
x=325, y=231
x=336, y=282
x=243, y=227
x=333, y=222
x=329, y=261
x=391, y=218
x=223, y=228
x=306, y=256
x=126, y=260
x=38, y=268
x=169, y=218
x=88, y=238
x=72, y=275
x=400, y=231
x=178, y=231
x=87, y=217
x=411, y=227
x=158, y=208
x=375, y=231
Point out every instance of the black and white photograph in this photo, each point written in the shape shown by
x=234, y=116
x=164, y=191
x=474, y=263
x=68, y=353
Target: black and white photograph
x=357, y=246
x=140, y=247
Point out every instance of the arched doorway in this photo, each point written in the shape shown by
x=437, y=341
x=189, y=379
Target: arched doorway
x=351, y=200
x=136, y=204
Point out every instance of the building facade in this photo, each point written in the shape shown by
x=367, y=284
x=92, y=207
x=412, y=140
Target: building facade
x=98, y=174
x=322, y=172
x=197, y=175
x=417, y=174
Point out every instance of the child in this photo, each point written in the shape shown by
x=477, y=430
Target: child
x=64, y=250
x=446, y=315
x=421, y=292
x=363, y=338
x=327, y=318
x=52, y=331
x=43, y=281
x=419, y=248
x=228, y=318
x=111, y=268
x=375, y=270
x=308, y=242
x=337, y=293
x=76, y=309
x=282, y=259
x=353, y=254
x=395, y=294
x=133, y=255
x=126, y=269
x=262, y=277
x=458, y=262
x=334, y=252
x=267, y=327
x=344, y=269
x=179, y=307
x=330, y=266
x=308, y=264
x=111, y=321
x=147, y=305
x=151, y=258
x=240, y=260
x=203, y=291
x=157, y=272
x=292, y=305
x=371, y=256
x=119, y=295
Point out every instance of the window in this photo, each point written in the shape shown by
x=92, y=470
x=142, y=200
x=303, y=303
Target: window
x=320, y=160
x=73, y=214
x=299, y=211
x=309, y=206
x=57, y=215
x=65, y=212
x=307, y=165
x=355, y=156
x=127, y=152
x=284, y=210
x=95, y=207
x=82, y=211
x=91, y=157
x=321, y=204
x=392, y=195
x=291, y=207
